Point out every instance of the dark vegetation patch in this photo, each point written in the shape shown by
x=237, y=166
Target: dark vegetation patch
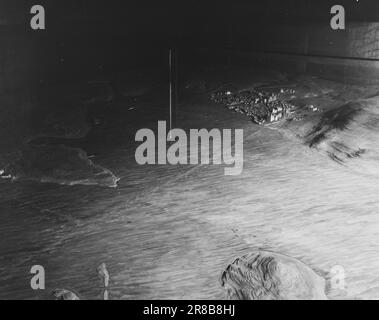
x=336, y=119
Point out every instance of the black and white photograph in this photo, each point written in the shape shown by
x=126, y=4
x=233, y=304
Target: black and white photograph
x=189, y=151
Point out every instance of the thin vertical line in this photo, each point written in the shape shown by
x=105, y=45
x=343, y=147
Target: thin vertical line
x=170, y=67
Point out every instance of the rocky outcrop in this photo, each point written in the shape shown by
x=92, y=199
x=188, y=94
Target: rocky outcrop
x=264, y=275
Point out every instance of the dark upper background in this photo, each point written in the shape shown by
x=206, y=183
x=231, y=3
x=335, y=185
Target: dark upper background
x=85, y=37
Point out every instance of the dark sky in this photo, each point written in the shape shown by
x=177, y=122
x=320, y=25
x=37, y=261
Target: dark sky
x=160, y=14
x=121, y=32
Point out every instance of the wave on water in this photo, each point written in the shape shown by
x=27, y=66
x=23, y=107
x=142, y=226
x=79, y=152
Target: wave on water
x=58, y=164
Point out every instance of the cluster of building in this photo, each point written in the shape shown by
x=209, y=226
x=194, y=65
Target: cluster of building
x=261, y=107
